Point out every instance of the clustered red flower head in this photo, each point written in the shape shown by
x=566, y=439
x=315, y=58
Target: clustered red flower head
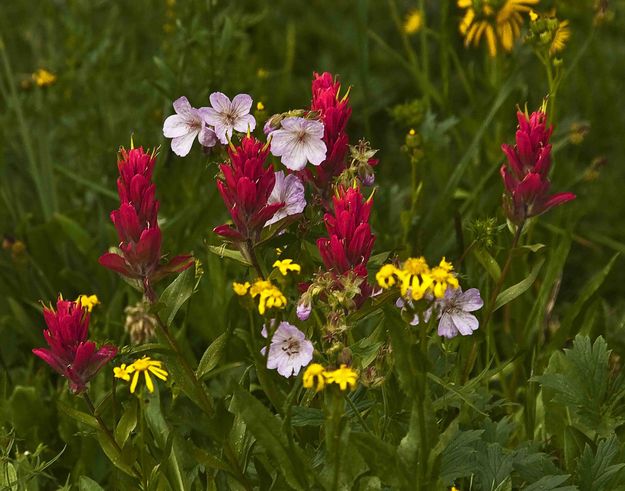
x=245, y=187
x=525, y=176
x=334, y=112
x=350, y=239
x=70, y=353
x=136, y=222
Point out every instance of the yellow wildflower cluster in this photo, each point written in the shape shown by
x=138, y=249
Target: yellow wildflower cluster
x=416, y=279
x=143, y=365
x=269, y=295
x=547, y=31
x=499, y=22
x=87, y=301
x=317, y=377
x=43, y=77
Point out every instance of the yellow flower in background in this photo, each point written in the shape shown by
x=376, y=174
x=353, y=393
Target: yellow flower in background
x=413, y=22
x=443, y=278
x=286, y=265
x=344, y=376
x=43, y=77
x=548, y=33
x=88, y=301
x=260, y=106
x=241, y=288
x=269, y=296
x=498, y=21
x=387, y=276
x=314, y=377
x=143, y=365
x=560, y=37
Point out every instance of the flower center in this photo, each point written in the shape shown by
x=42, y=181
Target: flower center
x=291, y=346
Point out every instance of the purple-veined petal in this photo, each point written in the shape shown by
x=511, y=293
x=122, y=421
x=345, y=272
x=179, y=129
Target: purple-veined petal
x=175, y=126
x=220, y=102
x=181, y=145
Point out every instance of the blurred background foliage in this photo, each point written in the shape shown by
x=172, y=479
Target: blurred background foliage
x=120, y=64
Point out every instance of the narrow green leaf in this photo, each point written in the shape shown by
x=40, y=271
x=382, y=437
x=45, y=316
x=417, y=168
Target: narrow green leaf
x=126, y=424
x=521, y=287
x=176, y=294
x=212, y=355
x=222, y=252
x=76, y=232
x=87, y=484
x=488, y=262
x=113, y=454
x=78, y=415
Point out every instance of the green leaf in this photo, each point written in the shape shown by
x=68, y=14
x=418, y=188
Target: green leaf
x=87, y=484
x=488, y=262
x=212, y=356
x=521, y=287
x=222, y=252
x=381, y=457
x=8, y=477
x=306, y=416
x=550, y=483
x=78, y=415
x=267, y=429
x=126, y=424
x=457, y=460
x=176, y=294
x=595, y=469
x=114, y=455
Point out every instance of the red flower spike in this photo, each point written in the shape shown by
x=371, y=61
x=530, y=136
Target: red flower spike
x=69, y=352
x=245, y=187
x=525, y=177
x=350, y=239
x=136, y=222
x=334, y=113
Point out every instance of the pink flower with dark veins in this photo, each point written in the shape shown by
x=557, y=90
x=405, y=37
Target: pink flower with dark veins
x=184, y=126
x=289, y=350
x=227, y=116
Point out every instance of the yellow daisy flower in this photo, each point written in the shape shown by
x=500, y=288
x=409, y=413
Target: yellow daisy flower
x=143, y=365
x=43, y=77
x=415, y=277
x=344, y=376
x=286, y=265
x=443, y=278
x=88, y=301
x=314, y=377
x=387, y=276
x=269, y=296
x=498, y=21
x=241, y=288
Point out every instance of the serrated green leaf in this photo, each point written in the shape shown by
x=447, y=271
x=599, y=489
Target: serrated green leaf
x=595, y=469
x=550, y=483
x=521, y=287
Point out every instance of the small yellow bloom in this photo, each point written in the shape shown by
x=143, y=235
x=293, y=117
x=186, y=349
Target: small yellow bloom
x=241, y=288
x=344, y=376
x=262, y=73
x=412, y=132
x=413, y=22
x=260, y=106
x=146, y=366
x=122, y=372
x=454, y=488
x=269, y=296
x=560, y=37
x=286, y=265
x=387, y=276
x=314, y=377
x=43, y=77
x=88, y=301
x=443, y=278
x=415, y=277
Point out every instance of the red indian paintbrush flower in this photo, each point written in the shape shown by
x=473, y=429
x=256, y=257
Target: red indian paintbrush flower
x=525, y=176
x=245, y=188
x=350, y=239
x=136, y=222
x=70, y=353
x=334, y=112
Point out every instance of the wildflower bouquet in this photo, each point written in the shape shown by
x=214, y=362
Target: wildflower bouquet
x=334, y=319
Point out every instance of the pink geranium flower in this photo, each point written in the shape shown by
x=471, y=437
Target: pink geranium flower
x=227, y=116
x=184, y=126
x=298, y=142
x=289, y=350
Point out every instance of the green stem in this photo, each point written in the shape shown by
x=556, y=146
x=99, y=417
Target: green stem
x=144, y=477
x=206, y=404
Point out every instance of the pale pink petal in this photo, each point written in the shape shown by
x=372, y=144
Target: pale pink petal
x=175, y=125
x=241, y=104
x=245, y=122
x=470, y=300
x=446, y=327
x=316, y=151
x=220, y=102
x=207, y=137
x=181, y=145
x=210, y=116
x=465, y=323
x=182, y=106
